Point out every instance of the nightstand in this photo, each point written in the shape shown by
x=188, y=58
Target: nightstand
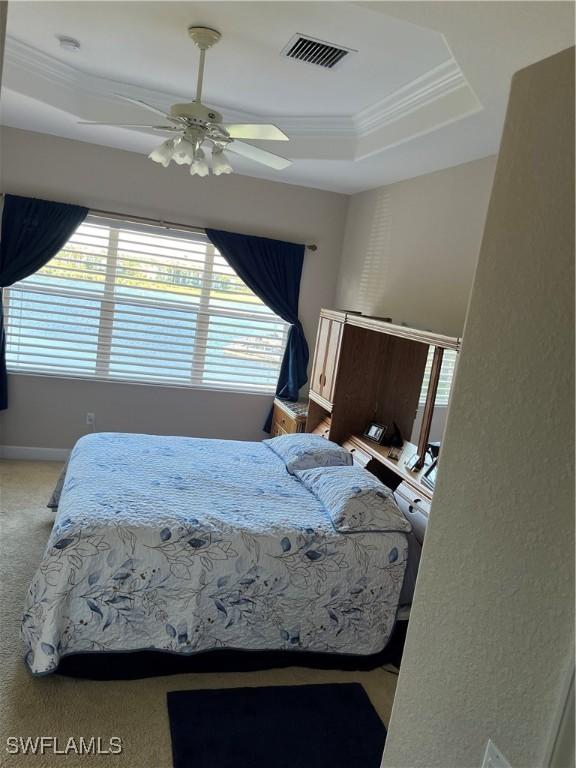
x=288, y=417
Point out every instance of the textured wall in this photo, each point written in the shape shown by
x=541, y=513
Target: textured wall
x=491, y=633
x=69, y=171
x=3, y=14
x=411, y=248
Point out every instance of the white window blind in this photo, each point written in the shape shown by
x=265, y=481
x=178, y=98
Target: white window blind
x=139, y=303
x=445, y=380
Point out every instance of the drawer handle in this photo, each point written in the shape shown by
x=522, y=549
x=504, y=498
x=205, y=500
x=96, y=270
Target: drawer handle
x=352, y=450
x=417, y=501
x=411, y=509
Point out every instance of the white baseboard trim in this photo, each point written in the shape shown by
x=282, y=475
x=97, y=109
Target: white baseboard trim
x=33, y=454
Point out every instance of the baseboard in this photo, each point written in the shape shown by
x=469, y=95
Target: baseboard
x=33, y=454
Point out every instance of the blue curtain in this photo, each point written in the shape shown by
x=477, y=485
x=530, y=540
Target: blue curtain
x=33, y=231
x=272, y=269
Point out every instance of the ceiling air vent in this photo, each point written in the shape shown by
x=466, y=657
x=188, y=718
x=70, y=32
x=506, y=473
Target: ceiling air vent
x=317, y=52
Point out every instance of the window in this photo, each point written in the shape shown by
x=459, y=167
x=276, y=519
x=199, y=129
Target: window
x=141, y=303
x=445, y=381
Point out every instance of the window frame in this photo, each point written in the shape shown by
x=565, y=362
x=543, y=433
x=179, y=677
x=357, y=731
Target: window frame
x=109, y=299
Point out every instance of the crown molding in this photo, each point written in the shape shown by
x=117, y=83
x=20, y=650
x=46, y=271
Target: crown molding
x=437, y=82
x=24, y=58
x=407, y=100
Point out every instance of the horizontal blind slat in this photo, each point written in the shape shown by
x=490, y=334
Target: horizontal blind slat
x=76, y=265
x=163, y=288
x=127, y=362
x=184, y=264
x=177, y=307
x=122, y=316
x=90, y=237
x=149, y=352
x=118, y=326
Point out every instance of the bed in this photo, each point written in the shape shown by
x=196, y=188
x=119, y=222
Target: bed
x=186, y=545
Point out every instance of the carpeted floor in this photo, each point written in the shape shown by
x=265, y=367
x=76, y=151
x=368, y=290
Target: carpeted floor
x=62, y=707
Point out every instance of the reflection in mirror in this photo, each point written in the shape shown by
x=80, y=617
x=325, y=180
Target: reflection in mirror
x=442, y=396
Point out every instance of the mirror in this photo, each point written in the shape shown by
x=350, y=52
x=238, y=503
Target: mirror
x=442, y=396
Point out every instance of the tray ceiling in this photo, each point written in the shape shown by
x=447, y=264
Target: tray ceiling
x=405, y=91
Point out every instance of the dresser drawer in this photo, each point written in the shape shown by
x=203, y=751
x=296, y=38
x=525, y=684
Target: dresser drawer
x=358, y=454
x=414, y=508
x=276, y=430
x=284, y=421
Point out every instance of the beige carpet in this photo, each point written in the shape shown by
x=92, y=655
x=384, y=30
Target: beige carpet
x=133, y=710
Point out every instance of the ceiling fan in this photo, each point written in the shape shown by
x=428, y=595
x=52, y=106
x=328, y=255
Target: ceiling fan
x=198, y=126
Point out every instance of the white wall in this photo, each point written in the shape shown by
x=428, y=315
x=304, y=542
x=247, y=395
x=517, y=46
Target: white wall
x=491, y=637
x=51, y=413
x=3, y=15
x=411, y=248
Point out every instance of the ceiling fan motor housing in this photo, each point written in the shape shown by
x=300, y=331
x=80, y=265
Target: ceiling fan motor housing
x=196, y=113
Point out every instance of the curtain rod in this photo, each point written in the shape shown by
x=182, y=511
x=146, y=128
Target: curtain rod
x=156, y=222
x=162, y=223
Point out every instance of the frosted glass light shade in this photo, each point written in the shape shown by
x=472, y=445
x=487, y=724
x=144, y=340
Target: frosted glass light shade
x=220, y=163
x=199, y=166
x=184, y=152
x=163, y=154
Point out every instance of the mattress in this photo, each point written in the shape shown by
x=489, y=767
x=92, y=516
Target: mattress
x=187, y=545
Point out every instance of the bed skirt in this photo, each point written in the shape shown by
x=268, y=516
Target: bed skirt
x=140, y=664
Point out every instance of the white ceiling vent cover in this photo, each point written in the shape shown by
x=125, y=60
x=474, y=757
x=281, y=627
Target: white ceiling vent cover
x=317, y=52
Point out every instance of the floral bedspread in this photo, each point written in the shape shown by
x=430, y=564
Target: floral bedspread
x=186, y=545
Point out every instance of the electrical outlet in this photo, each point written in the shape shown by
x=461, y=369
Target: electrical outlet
x=90, y=419
x=493, y=758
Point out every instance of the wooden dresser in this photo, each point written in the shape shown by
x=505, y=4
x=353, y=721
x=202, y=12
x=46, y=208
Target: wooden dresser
x=288, y=417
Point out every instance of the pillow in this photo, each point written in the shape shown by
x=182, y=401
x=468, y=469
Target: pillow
x=355, y=500
x=305, y=451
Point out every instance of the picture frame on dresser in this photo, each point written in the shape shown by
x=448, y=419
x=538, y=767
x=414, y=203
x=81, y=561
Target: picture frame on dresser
x=375, y=432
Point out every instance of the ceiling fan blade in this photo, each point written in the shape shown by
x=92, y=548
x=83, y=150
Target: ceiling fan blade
x=141, y=103
x=258, y=155
x=266, y=132
x=133, y=125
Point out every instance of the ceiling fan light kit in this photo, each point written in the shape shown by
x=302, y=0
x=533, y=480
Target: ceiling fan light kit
x=184, y=152
x=163, y=154
x=220, y=163
x=201, y=127
x=200, y=166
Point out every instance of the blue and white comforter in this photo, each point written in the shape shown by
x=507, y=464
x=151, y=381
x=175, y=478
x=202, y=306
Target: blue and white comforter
x=186, y=545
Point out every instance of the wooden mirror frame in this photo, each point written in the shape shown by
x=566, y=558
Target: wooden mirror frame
x=429, y=406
